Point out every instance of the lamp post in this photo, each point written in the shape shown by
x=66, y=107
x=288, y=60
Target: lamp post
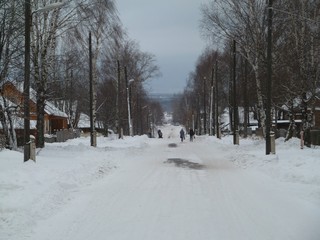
x=26, y=84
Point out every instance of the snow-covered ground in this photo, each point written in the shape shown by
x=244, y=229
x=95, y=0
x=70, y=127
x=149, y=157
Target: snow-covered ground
x=141, y=189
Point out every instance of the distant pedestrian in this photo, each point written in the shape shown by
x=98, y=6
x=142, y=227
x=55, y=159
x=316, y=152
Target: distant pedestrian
x=159, y=133
x=182, y=136
x=191, y=133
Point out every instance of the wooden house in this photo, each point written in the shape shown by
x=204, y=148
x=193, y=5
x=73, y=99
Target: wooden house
x=297, y=112
x=54, y=118
x=316, y=113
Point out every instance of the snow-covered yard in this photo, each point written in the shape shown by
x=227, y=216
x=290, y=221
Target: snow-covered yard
x=141, y=189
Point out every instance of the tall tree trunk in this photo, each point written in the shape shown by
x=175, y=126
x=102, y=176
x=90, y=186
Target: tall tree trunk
x=245, y=99
x=4, y=126
x=8, y=126
x=261, y=110
x=12, y=132
x=40, y=117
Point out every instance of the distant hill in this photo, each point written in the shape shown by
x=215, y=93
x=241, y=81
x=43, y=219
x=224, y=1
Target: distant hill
x=166, y=100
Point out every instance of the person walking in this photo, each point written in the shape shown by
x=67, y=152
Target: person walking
x=159, y=133
x=191, y=133
x=182, y=137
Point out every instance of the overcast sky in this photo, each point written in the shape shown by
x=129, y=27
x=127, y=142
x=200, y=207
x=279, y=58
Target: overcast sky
x=169, y=29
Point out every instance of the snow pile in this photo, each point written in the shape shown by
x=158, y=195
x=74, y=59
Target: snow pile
x=290, y=163
x=31, y=191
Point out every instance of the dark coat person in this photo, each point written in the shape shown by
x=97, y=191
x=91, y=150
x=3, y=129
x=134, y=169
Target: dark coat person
x=159, y=133
x=191, y=133
x=182, y=136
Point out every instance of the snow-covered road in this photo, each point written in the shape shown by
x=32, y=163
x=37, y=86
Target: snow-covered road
x=179, y=193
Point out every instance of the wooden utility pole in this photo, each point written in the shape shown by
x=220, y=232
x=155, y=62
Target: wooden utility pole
x=26, y=84
x=211, y=104
x=118, y=101
x=93, y=139
x=235, y=106
x=269, y=79
x=216, y=102
x=204, y=106
x=245, y=99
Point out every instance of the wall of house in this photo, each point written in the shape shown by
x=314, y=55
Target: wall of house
x=58, y=124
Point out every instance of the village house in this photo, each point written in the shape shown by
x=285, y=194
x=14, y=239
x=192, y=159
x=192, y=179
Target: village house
x=297, y=109
x=54, y=119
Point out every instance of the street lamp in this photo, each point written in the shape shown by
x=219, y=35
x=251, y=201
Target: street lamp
x=26, y=84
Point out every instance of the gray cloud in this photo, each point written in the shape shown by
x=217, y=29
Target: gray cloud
x=169, y=30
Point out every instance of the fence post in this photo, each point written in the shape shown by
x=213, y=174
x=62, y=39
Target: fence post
x=237, y=137
x=32, y=146
x=301, y=140
x=273, y=143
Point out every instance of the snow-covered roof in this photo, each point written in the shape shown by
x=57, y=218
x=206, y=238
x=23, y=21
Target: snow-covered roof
x=49, y=108
x=84, y=121
x=287, y=121
x=297, y=101
x=8, y=102
x=18, y=123
x=52, y=110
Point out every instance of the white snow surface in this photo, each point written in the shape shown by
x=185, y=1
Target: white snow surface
x=139, y=188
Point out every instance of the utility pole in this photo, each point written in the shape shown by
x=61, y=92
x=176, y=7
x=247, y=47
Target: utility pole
x=230, y=86
x=204, y=106
x=211, y=104
x=235, y=107
x=245, y=100
x=128, y=101
x=93, y=137
x=118, y=102
x=26, y=85
x=269, y=79
x=217, y=102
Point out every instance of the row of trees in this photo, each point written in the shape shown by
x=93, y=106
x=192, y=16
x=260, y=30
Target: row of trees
x=60, y=63
x=295, y=57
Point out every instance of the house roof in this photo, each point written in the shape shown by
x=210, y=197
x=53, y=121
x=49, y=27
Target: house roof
x=84, y=121
x=297, y=101
x=18, y=123
x=49, y=108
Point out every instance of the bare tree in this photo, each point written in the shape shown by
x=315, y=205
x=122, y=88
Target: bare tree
x=242, y=21
x=10, y=52
x=303, y=49
x=46, y=26
x=125, y=53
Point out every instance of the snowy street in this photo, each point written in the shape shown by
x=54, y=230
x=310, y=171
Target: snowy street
x=141, y=189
